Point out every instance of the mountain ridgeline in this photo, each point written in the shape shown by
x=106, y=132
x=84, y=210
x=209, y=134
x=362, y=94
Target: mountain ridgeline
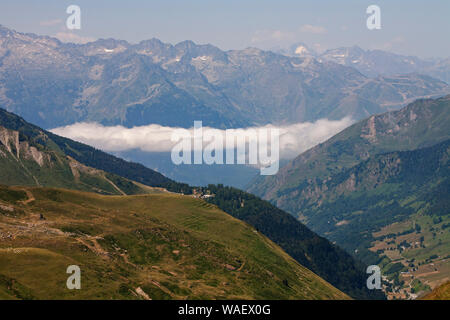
x=375, y=63
x=112, y=82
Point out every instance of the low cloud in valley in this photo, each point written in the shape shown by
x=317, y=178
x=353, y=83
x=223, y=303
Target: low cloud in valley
x=294, y=138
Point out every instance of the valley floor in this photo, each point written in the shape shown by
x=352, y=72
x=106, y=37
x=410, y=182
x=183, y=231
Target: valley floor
x=416, y=255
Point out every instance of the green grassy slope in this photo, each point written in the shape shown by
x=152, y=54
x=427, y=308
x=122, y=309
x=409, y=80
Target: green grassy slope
x=162, y=246
x=440, y=293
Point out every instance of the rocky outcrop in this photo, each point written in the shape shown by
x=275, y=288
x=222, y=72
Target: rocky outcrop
x=20, y=149
x=10, y=140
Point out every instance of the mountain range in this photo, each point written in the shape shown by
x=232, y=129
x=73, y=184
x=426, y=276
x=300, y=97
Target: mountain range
x=374, y=63
x=112, y=82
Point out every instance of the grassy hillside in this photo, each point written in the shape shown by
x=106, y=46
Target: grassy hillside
x=159, y=246
x=440, y=293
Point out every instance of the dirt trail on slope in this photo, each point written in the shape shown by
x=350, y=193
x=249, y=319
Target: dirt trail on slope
x=141, y=293
x=30, y=196
x=115, y=187
x=94, y=246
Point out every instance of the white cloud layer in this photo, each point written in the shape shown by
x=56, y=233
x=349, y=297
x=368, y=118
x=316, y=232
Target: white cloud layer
x=308, y=28
x=73, y=38
x=294, y=139
x=272, y=35
x=50, y=23
x=284, y=36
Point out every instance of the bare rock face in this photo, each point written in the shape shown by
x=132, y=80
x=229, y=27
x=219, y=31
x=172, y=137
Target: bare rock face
x=32, y=153
x=10, y=139
x=21, y=149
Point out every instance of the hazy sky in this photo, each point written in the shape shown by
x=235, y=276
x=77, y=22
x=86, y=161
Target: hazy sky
x=411, y=27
